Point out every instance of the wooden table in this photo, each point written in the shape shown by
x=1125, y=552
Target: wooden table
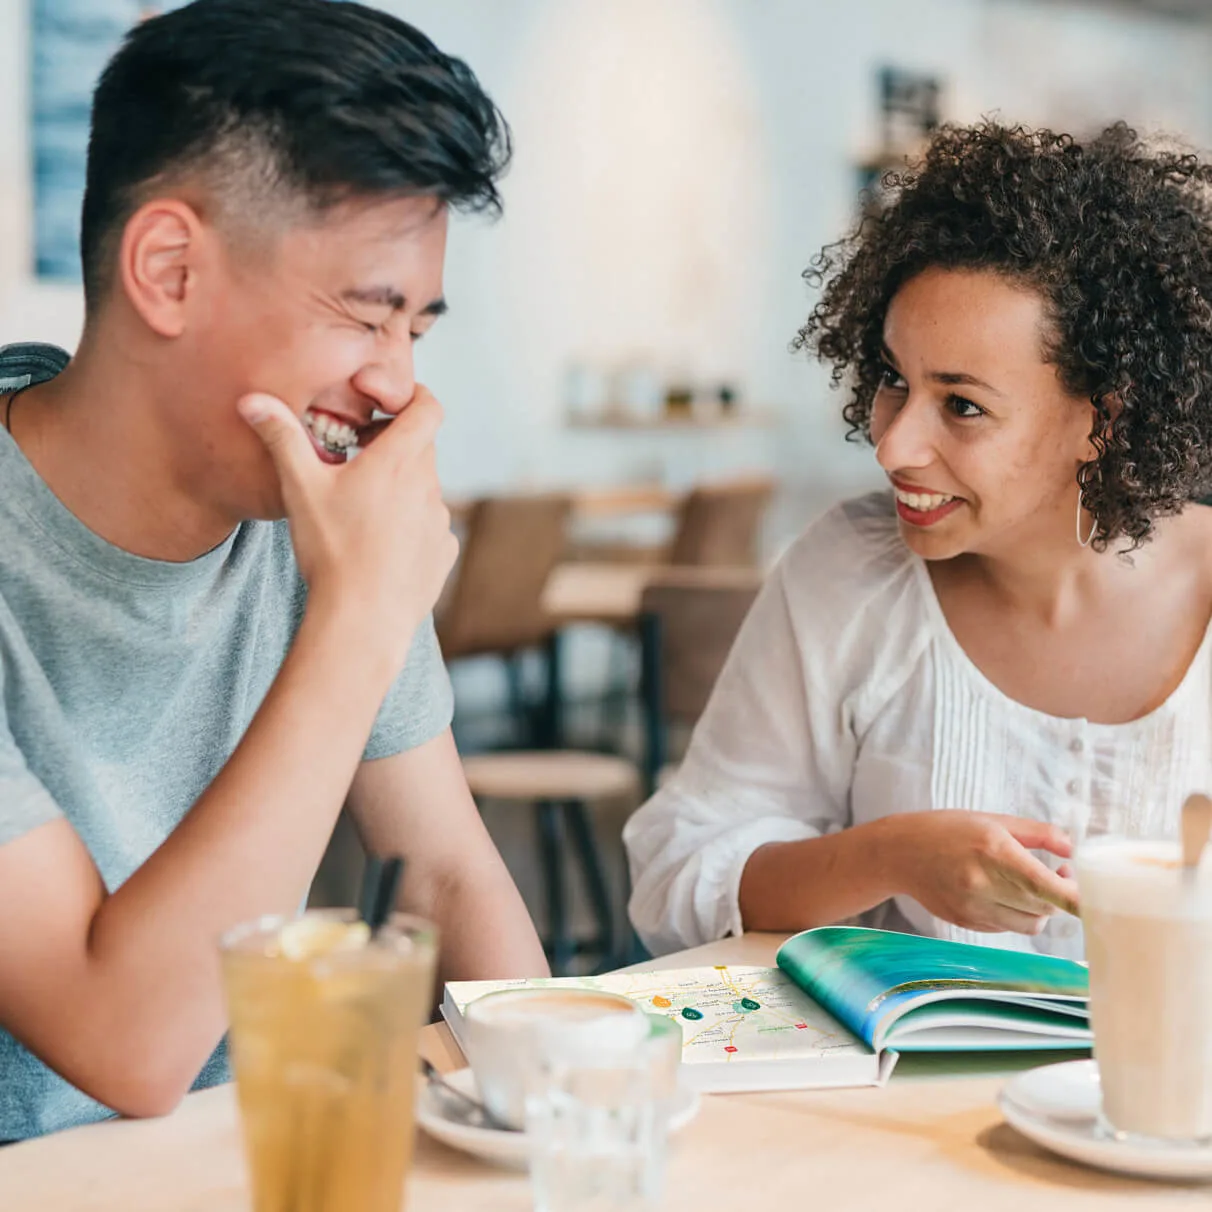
x=594, y=504
x=932, y=1141
x=586, y=592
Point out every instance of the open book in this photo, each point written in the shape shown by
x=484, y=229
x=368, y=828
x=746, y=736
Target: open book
x=842, y=1003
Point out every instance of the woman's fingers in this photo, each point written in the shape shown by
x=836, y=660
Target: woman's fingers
x=1007, y=917
x=1034, y=887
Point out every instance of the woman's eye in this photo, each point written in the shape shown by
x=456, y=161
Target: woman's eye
x=891, y=378
x=963, y=407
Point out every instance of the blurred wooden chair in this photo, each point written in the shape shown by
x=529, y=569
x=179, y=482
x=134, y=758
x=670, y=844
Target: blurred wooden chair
x=688, y=622
x=494, y=603
x=562, y=785
x=719, y=525
x=715, y=524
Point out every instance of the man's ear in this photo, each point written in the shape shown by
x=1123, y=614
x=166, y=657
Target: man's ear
x=157, y=262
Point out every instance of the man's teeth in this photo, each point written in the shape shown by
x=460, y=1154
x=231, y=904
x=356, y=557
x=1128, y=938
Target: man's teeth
x=334, y=435
x=922, y=502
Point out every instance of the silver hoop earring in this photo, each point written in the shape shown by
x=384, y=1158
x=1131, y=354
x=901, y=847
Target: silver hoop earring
x=1078, y=526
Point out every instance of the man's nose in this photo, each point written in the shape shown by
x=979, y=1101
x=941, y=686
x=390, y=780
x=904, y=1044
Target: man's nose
x=391, y=380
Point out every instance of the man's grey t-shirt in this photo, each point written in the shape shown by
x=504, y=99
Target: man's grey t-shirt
x=125, y=684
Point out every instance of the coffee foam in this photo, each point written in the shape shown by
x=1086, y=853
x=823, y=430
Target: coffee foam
x=526, y=1005
x=1141, y=878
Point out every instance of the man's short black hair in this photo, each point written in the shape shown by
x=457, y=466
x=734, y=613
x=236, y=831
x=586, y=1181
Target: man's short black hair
x=314, y=100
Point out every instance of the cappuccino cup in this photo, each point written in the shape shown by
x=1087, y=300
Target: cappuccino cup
x=513, y=1036
x=1148, y=927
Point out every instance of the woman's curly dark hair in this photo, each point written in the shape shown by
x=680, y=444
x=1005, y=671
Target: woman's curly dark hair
x=1117, y=238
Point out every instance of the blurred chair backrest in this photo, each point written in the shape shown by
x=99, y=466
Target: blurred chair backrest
x=689, y=618
x=718, y=524
x=510, y=546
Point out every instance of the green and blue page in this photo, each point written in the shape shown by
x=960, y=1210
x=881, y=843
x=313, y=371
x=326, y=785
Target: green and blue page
x=842, y=1003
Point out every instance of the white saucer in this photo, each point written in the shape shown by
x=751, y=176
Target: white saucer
x=1057, y=1107
x=442, y=1119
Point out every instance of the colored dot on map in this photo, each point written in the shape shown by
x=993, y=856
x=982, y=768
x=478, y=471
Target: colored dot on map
x=801, y=1026
x=662, y=1002
x=747, y=1003
x=692, y=1014
x=730, y=1048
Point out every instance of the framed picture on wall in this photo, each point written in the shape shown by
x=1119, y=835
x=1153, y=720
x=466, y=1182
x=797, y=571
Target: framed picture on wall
x=70, y=41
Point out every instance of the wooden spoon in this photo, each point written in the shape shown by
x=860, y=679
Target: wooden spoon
x=1196, y=827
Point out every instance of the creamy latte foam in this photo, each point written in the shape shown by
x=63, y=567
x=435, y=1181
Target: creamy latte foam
x=1149, y=945
x=554, y=1005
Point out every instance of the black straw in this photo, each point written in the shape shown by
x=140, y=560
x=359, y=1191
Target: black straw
x=380, y=885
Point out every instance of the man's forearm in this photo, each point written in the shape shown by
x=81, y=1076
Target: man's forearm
x=487, y=933
x=249, y=846
x=417, y=804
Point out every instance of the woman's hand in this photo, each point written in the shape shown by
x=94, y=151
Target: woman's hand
x=976, y=869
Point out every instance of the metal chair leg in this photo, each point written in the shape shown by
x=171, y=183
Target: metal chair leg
x=550, y=732
x=521, y=713
x=581, y=827
x=560, y=946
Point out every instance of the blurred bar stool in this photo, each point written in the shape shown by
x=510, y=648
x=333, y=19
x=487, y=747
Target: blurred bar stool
x=562, y=784
x=494, y=605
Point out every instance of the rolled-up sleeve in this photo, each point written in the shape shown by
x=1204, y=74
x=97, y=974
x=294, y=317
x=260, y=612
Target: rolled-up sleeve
x=771, y=760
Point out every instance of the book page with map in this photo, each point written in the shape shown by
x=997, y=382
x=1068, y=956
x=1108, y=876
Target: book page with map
x=743, y=1028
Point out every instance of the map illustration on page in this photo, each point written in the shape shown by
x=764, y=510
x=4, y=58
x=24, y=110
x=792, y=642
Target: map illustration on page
x=843, y=1002
x=743, y=1028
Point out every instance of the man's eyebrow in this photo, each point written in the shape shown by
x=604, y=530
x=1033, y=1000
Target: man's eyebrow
x=388, y=296
x=376, y=296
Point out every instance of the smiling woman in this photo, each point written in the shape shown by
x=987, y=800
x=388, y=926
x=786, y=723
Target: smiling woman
x=1113, y=243
x=1012, y=644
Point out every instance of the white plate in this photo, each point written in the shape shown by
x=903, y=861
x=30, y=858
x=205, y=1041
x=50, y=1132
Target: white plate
x=441, y=1118
x=1057, y=1107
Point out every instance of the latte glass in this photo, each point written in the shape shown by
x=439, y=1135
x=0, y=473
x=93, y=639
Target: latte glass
x=1148, y=928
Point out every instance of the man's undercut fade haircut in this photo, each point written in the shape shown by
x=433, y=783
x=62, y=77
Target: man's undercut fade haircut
x=303, y=103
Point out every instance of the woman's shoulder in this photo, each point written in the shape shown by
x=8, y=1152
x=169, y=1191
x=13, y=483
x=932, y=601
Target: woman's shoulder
x=856, y=597
x=851, y=552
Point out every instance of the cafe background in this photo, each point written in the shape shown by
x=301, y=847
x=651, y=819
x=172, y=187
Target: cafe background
x=626, y=325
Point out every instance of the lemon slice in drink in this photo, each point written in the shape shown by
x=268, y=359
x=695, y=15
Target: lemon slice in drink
x=309, y=937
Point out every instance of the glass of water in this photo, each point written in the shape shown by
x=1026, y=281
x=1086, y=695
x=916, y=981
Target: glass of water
x=599, y=1123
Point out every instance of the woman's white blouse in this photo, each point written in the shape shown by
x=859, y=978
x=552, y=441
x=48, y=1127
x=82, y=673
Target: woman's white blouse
x=847, y=698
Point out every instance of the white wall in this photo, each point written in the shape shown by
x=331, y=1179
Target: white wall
x=678, y=162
